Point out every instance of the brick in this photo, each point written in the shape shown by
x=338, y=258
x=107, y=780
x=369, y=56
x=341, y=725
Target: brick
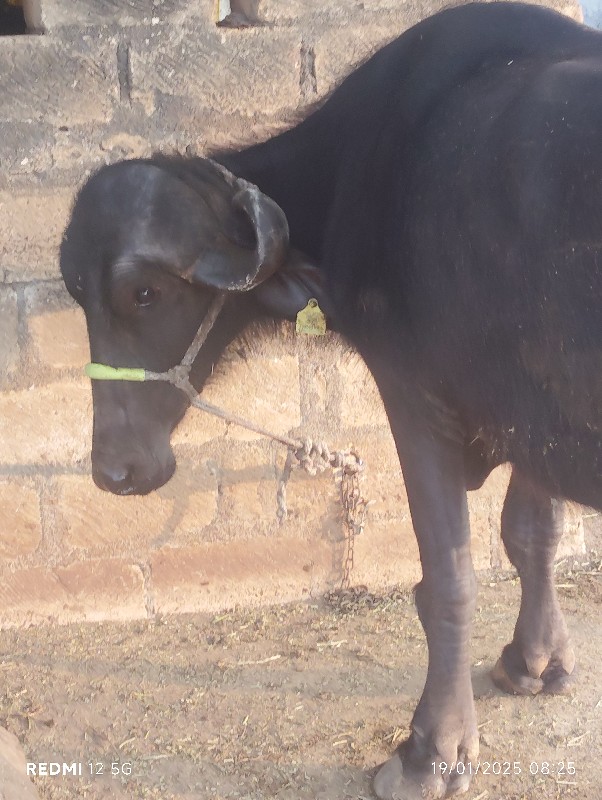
x=386, y=555
x=48, y=79
x=31, y=227
x=313, y=505
x=315, y=16
x=14, y=783
x=241, y=502
x=192, y=495
x=100, y=589
x=26, y=148
x=348, y=39
x=361, y=404
x=205, y=127
x=376, y=447
x=49, y=424
x=82, y=150
x=316, y=386
x=247, y=509
x=573, y=534
x=180, y=11
x=103, y=524
x=247, y=488
x=339, y=49
x=78, y=150
x=264, y=390
x=57, y=328
x=247, y=460
x=216, y=576
x=9, y=343
x=127, y=145
x=20, y=522
x=84, y=13
x=386, y=493
x=570, y=8
x=103, y=589
x=244, y=71
x=199, y=511
x=321, y=383
x=198, y=428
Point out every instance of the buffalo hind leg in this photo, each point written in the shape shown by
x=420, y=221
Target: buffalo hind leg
x=539, y=657
x=437, y=758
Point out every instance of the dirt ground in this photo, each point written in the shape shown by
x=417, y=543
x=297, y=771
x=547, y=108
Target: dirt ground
x=289, y=702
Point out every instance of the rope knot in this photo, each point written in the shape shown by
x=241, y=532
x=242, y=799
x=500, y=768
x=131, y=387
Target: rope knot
x=313, y=457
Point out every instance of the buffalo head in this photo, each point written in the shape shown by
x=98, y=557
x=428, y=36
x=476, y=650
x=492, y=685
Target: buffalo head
x=148, y=246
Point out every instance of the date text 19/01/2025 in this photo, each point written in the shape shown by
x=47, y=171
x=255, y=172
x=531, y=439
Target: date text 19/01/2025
x=119, y=769
x=558, y=769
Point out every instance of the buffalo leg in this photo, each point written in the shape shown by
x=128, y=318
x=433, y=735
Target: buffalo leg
x=540, y=656
x=436, y=758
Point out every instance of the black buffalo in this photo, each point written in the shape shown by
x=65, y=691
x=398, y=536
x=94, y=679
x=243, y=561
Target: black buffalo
x=445, y=206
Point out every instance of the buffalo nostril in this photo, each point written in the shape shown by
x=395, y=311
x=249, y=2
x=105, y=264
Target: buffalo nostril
x=117, y=479
x=131, y=476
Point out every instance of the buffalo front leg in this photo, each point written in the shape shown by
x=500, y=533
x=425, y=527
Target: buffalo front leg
x=436, y=759
x=539, y=657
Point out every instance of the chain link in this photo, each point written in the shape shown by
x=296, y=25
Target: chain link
x=315, y=457
x=354, y=515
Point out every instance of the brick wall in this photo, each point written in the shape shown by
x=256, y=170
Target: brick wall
x=113, y=80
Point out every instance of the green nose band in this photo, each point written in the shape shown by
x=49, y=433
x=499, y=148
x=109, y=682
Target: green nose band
x=102, y=372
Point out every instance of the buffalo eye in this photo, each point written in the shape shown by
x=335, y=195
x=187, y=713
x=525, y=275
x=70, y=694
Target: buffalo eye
x=145, y=296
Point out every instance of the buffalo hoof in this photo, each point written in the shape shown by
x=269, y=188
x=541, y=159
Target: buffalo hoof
x=396, y=780
x=551, y=675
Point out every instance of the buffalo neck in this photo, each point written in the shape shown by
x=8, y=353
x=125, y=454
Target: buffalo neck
x=297, y=169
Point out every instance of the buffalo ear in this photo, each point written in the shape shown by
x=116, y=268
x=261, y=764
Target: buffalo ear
x=290, y=289
x=231, y=262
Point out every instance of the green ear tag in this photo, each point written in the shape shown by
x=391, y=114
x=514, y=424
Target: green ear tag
x=102, y=372
x=311, y=320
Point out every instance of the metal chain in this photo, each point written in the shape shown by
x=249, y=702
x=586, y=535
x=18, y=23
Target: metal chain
x=354, y=508
x=347, y=466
